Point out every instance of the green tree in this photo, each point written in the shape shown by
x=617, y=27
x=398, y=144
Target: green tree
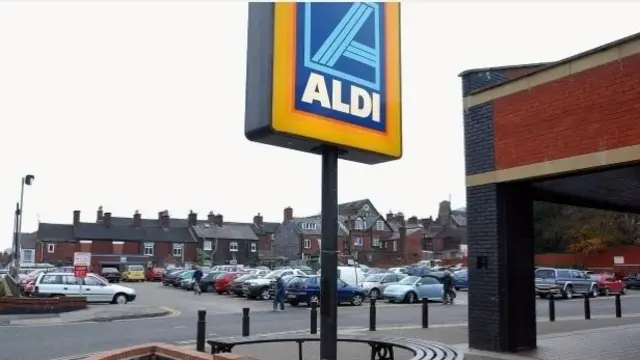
x=200, y=256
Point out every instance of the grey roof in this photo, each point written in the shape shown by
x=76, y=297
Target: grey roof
x=93, y=231
x=342, y=231
x=55, y=232
x=28, y=240
x=170, y=234
x=227, y=231
x=396, y=235
x=266, y=228
x=459, y=217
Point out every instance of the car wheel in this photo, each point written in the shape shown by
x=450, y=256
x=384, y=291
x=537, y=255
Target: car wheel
x=595, y=292
x=120, y=299
x=607, y=292
x=315, y=299
x=543, y=296
x=623, y=290
x=374, y=294
x=264, y=294
x=410, y=297
x=357, y=300
x=294, y=302
x=219, y=292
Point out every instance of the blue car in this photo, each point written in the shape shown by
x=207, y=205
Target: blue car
x=307, y=290
x=413, y=288
x=461, y=279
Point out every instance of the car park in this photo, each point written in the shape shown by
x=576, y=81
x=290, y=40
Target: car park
x=307, y=290
x=374, y=285
x=94, y=288
x=112, y=275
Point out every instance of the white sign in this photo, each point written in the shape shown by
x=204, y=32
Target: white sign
x=206, y=245
x=464, y=249
x=82, y=258
x=618, y=260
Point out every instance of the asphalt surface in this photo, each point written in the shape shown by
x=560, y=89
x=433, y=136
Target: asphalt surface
x=224, y=319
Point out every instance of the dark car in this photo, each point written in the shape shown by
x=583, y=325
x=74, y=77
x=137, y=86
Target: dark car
x=307, y=290
x=235, y=288
x=111, y=274
x=632, y=281
x=171, y=277
x=208, y=281
x=287, y=279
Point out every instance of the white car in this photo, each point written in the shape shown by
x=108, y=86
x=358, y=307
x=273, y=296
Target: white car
x=259, y=288
x=94, y=288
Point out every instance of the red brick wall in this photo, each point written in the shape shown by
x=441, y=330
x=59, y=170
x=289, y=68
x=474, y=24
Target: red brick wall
x=602, y=260
x=63, y=252
x=264, y=242
x=590, y=111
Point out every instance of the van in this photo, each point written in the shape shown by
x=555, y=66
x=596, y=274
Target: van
x=133, y=273
x=353, y=276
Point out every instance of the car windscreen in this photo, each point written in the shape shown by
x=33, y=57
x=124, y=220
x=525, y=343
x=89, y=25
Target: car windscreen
x=109, y=271
x=409, y=280
x=545, y=274
x=245, y=277
x=374, y=278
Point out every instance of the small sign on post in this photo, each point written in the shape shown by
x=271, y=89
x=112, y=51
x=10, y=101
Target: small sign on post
x=81, y=264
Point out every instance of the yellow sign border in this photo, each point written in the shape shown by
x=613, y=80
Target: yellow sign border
x=286, y=119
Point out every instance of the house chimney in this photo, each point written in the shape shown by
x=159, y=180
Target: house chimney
x=76, y=217
x=137, y=219
x=413, y=220
x=400, y=218
x=390, y=216
x=444, y=212
x=218, y=220
x=426, y=222
x=211, y=217
x=164, y=218
x=106, y=219
x=257, y=220
x=288, y=214
x=99, y=214
x=193, y=218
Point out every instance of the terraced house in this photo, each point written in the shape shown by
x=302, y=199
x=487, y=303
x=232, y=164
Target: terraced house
x=116, y=241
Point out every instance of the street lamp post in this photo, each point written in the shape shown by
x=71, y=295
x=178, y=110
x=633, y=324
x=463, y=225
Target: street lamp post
x=26, y=180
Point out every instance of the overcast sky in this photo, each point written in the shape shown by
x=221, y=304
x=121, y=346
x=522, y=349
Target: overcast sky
x=139, y=105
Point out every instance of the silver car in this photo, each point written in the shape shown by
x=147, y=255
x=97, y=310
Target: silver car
x=374, y=285
x=93, y=287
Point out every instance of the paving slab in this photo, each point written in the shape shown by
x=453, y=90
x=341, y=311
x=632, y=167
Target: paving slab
x=98, y=313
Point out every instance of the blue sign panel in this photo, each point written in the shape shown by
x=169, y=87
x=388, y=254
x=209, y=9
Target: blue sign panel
x=340, y=68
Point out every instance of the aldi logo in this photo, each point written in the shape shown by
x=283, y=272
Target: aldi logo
x=340, y=72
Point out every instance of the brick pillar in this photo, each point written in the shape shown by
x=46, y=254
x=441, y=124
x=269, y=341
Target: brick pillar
x=502, y=306
x=117, y=247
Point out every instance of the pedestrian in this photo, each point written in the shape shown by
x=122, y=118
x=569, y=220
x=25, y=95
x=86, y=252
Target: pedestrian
x=447, y=284
x=197, y=276
x=278, y=298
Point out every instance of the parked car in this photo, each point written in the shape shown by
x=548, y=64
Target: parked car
x=564, y=282
x=235, y=287
x=94, y=288
x=185, y=280
x=133, y=273
x=207, y=283
x=373, y=285
x=413, y=288
x=632, y=281
x=259, y=288
x=171, y=277
x=153, y=274
x=307, y=290
x=286, y=279
x=607, y=284
x=222, y=283
x=112, y=275
x=461, y=279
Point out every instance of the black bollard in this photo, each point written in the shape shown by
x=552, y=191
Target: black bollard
x=245, y=321
x=314, y=318
x=587, y=307
x=552, y=308
x=618, y=306
x=372, y=315
x=425, y=313
x=201, y=330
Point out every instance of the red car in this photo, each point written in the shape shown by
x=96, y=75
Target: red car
x=153, y=274
x=607, y=284
x=223, y=281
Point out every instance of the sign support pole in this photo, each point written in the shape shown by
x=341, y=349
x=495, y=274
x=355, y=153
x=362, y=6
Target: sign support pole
x=329, y=255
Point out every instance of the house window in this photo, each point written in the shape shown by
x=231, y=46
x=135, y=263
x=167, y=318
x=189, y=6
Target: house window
x=177, y=249
x=273, y=237
x=309, y=226
x=233, y=246
x=206, y=245
x=395, y=245
x=380, y=225
x=254, y=247
x=148, y=249
x=357, y=241
x=358, y=224
x=307, y=244
x=375, y=242
x=28, y=256
x=51, y=248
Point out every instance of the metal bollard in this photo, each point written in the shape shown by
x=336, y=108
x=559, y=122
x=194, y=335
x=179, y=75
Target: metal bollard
x=618, y=306
x=201, y=330
x=552, y=308
x=425, y=313
x=587, y=307
x=245, y=321
x=314, y=318
x=372, y=315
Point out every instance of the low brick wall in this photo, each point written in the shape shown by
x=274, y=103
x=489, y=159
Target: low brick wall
x=161, y=351
x=12, y=288
x=27, y=305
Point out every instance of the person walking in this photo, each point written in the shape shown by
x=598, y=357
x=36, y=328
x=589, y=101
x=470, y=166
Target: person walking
x=197, y=276
x=447, y=285
x=278, y=298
